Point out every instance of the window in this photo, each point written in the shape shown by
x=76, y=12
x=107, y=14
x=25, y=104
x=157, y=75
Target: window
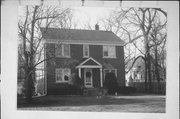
x=66, y=50
x=58, y=50
x=59, y=74
x=62, y=75
x=109, y=51
x=62, y=50
x=85, y=50
x=110, y=70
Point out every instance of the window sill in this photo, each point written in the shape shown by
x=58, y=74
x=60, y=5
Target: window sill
x=85, y=56
x=62, y=82
x=110, y=57
x=63, y=57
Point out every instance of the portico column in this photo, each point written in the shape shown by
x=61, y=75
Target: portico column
x=101, y=81
x=79, y=72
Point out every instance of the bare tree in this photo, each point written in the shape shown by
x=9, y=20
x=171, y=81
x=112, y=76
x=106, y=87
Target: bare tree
x=135, y=26
x=158, y=38
x=32, y=39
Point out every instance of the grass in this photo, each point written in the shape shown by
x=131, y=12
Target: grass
x=141, y=103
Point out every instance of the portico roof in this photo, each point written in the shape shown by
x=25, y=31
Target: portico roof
x=89, y=63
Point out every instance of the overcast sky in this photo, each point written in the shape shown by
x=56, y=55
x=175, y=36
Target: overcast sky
x=83, y=15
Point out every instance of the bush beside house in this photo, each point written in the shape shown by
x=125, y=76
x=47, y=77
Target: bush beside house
x=66, y=90
x=111, y=83
x=126, y=90
x=113, y=87
x=74, y=87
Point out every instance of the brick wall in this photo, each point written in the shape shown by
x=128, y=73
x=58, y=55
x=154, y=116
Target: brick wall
x=77, y=57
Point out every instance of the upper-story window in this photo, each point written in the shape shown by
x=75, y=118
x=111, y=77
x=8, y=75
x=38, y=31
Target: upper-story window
x=109, y=51
x=62, y=50
x=85, y=50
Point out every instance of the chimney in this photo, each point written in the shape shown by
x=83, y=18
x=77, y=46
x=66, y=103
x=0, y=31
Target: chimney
x=96, y=27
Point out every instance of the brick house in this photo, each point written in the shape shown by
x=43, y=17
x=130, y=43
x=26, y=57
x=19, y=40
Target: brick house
x=90, y=54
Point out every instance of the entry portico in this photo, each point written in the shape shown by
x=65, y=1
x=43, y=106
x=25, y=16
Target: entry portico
x=90, y=71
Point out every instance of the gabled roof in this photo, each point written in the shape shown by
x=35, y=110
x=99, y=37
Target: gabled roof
x=90, y=62
x=81, y=36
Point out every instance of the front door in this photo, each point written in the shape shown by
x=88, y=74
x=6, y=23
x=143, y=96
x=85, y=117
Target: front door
x=88, y=78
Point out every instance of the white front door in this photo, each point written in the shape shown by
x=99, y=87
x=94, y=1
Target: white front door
x=88, y=78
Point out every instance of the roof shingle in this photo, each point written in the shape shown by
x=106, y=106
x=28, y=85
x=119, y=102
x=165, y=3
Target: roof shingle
x=80, y=35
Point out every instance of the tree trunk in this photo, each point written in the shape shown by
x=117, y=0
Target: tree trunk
x=26, y=65
x=145, y=35
x=156, y=69
x=146, y=62
x=30, y=72
x=149, y=72
x=29, y=86
x=146, y=88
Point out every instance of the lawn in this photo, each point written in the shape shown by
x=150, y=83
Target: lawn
x=140, y=103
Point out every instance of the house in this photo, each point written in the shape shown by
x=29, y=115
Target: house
x=136, y=73
x=90, y=54
x=136, y=77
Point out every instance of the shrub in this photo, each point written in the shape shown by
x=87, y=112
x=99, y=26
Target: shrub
x=74, y=87
x=65, y=90
x=21, y=89
x=111, y=83
x=77, y=81
x=126, y=90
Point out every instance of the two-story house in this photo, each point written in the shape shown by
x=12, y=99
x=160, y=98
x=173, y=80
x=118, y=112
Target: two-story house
x=90, y=54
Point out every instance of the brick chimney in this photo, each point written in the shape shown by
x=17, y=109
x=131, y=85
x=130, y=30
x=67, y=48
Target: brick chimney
x=96, y=27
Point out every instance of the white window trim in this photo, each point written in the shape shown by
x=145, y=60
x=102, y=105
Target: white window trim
x=63, y=51
x=84, y=50
x=63, y=81
x=108, y=51
x=109, y=70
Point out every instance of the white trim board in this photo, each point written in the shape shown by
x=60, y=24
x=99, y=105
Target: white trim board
x=85, y=42
x=89, y=66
